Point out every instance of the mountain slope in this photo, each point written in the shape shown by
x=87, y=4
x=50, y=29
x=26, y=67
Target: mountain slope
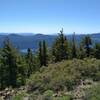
x=31, y=41
x=66, y=80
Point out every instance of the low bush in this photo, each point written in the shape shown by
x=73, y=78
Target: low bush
x=64, y=75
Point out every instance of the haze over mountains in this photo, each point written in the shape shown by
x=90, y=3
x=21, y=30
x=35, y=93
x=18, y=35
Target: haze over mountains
x=31, y=40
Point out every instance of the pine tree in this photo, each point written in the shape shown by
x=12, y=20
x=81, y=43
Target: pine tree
x=44, y=54
x=60, y=47
x=87, y=42
x=22, y=70
x=2, y=78
x=97, y=50
x=29, y=60
x=8, y=59
x=12, y=66
x=73, y=48
x=40, y=54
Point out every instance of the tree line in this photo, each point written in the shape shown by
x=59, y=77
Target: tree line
x=15, y=68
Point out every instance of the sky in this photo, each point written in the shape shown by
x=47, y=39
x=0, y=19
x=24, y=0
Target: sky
x=49, y=16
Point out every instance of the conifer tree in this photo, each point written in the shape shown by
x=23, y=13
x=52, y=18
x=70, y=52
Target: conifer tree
x=87, y=42
x=60, y=47
x=12, y=67
x=73, y=48
x=29, y=60
x=2, y=78
x=40, y=54
x=21, y=71
x=44, y=53
x=97, y=50
x=9, y=57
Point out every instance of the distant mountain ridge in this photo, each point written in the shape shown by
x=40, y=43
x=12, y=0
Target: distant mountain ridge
x=31, y=41
x=26, y=41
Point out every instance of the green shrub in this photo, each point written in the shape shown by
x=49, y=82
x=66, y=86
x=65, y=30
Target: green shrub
x=94, y=93
x=48, y=95
x=65, y=75
x=62, y=98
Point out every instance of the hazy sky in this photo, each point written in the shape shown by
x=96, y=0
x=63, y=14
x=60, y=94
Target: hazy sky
x=49, y=16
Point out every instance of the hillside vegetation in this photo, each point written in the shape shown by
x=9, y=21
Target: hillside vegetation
x=66, y=71
x=60, y=81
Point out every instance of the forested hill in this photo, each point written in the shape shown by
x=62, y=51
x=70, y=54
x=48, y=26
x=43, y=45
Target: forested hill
x=31, y=41
x=63, y=72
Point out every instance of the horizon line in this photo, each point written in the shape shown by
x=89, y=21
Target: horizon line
x=32, y=33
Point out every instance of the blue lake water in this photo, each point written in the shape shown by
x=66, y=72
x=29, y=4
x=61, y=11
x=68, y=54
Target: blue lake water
x=25, y=50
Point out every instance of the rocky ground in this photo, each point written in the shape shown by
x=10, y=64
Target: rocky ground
x=9, y=92
x=77, y=94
